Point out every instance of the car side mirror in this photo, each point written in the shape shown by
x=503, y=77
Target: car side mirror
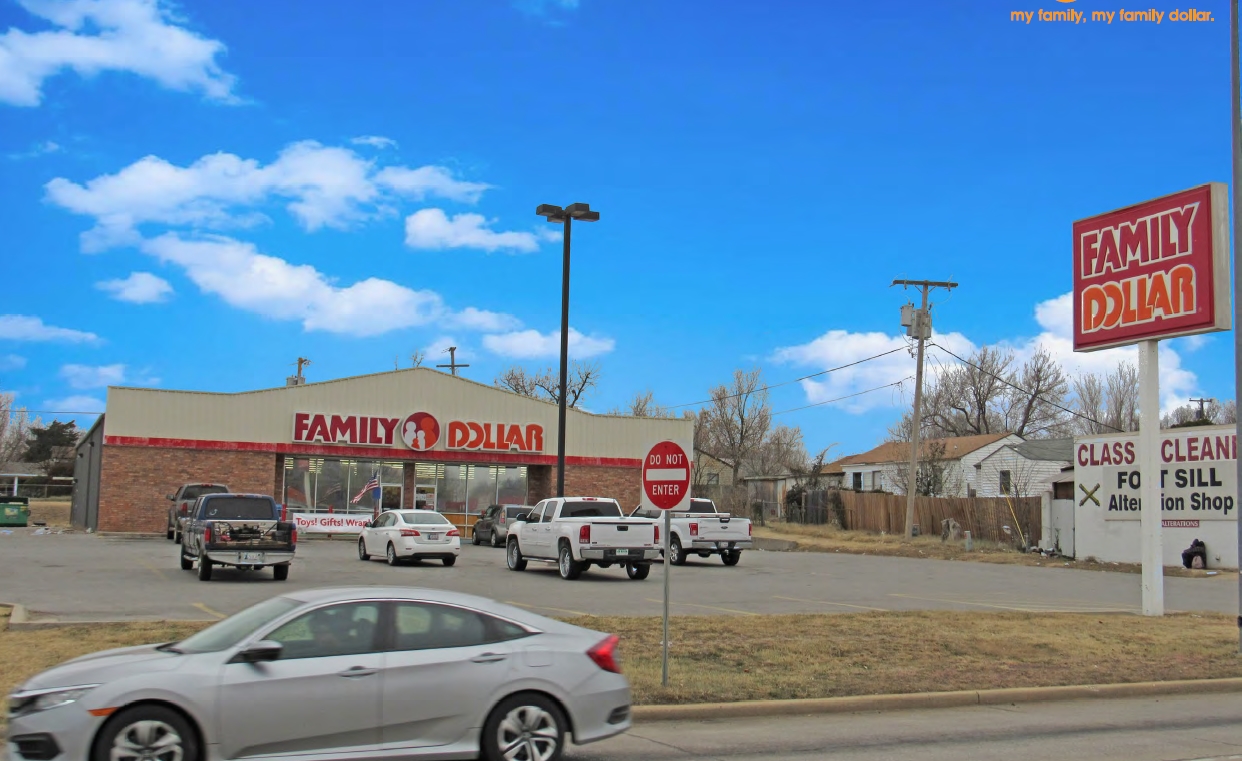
x=261, y=652
x=521, y=517
x=170, y=497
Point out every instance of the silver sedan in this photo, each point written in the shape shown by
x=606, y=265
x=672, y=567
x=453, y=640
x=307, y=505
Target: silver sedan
x=350, y=673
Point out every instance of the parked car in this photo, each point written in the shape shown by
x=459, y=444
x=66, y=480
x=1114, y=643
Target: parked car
x=704, y=531
x=304, y=675
x=241, y=530
x=410, y=535
x=578, y=532
x=182, y=500
x=493, y=525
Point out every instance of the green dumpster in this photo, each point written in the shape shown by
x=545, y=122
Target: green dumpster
x=14, y=511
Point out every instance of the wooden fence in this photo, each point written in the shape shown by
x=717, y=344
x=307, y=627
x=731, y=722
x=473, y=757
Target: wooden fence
x=983, y=517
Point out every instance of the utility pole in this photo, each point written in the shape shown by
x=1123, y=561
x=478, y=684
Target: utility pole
x=452, y=365
x=918, y=325
x=1201, y=402
x=298, y=380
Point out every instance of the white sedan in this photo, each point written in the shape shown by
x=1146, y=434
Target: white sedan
x=410, y=534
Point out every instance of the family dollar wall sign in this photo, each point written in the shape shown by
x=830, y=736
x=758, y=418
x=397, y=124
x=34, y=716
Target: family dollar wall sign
x=666, y=475
x=1157, y=269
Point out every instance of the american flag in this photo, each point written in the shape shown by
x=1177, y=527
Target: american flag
x=372, y=484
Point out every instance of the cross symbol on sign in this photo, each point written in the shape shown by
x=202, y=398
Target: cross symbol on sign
x=1090, y=495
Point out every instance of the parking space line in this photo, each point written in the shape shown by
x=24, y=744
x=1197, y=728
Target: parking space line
x=826, y=602
x=706, y=607
x=209, y=611
x=548, y=607
x=157, y=571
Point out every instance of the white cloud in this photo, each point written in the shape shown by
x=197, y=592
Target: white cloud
x=375, y=141
x=322, y=186
x=20, y=327
x=142, y=37
x=138, y=288
x=267, y=285
x=77, y=403
x=531, y=344
x=483, y=320
x=89, y=376
x=39, y=149
x=433, y=229
x=1055, y=317
x=11, y=362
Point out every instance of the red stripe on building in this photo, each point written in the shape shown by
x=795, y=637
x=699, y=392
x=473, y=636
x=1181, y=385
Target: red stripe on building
x=371, y=453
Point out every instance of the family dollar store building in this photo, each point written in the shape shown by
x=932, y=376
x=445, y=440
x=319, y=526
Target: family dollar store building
x=335, y=452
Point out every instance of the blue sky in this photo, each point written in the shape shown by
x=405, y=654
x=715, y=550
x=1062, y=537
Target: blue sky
x=194, y=195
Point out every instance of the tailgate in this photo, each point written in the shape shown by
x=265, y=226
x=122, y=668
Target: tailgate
x=719, y=528
x=622, y=533
x=251, y=535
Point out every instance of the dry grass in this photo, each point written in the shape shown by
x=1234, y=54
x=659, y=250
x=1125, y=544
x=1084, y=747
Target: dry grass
x=55, y=513
x=730, y=658
x=832, y=539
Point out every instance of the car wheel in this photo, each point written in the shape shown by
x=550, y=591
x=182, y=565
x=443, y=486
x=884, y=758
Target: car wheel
x=177, y=537
x=144, y=733
x=570, y=569
x=730, y=557
x=525, y=726
x=168, y=533
x=451, y=559
x=474, y=537
x=676, y=555
x=280, y=572
x=187, y=562
x=362, y=549
x=513, y=557
x=638, y=571
x=391, y=554
x=496, y=540
x=204, y=568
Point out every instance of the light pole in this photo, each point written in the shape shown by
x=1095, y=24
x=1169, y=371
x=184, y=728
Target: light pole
x=555, y=214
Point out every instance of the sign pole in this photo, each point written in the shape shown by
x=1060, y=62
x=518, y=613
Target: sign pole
x=1236, y=91
x=668, y=533
x=1149, y=478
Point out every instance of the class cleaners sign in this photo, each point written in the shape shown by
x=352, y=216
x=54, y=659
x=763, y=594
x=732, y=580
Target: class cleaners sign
x=1198, y=473
x=419, y=431
x=1155, y=270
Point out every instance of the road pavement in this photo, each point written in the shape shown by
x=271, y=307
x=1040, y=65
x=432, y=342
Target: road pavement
x=90, y=578
x=1134, y=729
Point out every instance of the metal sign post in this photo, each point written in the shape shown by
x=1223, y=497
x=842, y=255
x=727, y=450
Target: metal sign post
x=666, y=482
x=1151, y=546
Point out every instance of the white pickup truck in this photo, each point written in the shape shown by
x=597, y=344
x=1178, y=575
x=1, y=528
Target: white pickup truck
x=578, y=532
x=703, y=530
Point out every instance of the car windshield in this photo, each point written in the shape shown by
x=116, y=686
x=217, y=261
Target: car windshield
x=194, y=492
x=239, y=509
x=234, y=629
x=511, y=512
x=424, y=519
x=601, y=509
x=701, y=506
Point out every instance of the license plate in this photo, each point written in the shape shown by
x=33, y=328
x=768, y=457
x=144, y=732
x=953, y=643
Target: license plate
x=433, y=537
x=623, y=552
x=250, y=557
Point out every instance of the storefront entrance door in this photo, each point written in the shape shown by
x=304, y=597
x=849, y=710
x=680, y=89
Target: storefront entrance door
x=424, y=498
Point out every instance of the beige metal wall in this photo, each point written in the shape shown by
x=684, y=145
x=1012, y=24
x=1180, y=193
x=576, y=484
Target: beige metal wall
x=267, y=416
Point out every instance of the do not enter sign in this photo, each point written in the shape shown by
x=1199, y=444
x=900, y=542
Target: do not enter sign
x=666, y=475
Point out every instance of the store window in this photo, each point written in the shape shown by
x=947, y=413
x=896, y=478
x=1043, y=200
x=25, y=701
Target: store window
x=323, y=485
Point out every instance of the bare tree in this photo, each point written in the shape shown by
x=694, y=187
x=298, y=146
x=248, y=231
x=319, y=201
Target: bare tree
x=781, y=452
x=969, y=399
x=1214, y=413
x=417, y=358
x=1033, y=411
x=643, y=405
x=736, y=422
x=15, y=425
x=581, y=378
x=1089, y=396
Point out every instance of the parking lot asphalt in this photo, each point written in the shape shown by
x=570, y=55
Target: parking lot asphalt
x=81, y=577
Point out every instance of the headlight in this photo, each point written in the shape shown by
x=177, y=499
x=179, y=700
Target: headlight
x=43, y=700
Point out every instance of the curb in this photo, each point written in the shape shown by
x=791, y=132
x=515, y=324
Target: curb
x=19, y=619
x=861, y=703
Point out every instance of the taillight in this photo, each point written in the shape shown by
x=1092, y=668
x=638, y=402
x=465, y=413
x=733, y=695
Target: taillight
x=584, y=535
x=605, y=654
x=749, y=526
x=694, y=529
x=453, y=532
x=657, y=538
x=409, y=532
x=293, y=536
x=207, y=535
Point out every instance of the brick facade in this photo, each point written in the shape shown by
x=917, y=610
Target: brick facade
x=625, y=485
x=134, y=481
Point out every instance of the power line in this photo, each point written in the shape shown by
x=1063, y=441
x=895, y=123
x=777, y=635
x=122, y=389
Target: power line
x=849, y=396
x=795, y=380
x=1029, y=393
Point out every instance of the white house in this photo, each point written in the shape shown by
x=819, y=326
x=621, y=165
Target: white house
x=880, y=468
x=1022, y=470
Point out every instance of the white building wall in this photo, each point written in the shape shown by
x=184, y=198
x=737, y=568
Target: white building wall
x=1028, y=476
x=970, y=474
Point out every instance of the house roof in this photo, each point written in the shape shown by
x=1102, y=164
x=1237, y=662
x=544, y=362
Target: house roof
x=835, y=468
x=24, y=469
x=896, y=451
x=1058, y=450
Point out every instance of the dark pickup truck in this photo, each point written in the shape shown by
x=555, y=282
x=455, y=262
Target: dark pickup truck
x=241, y=530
